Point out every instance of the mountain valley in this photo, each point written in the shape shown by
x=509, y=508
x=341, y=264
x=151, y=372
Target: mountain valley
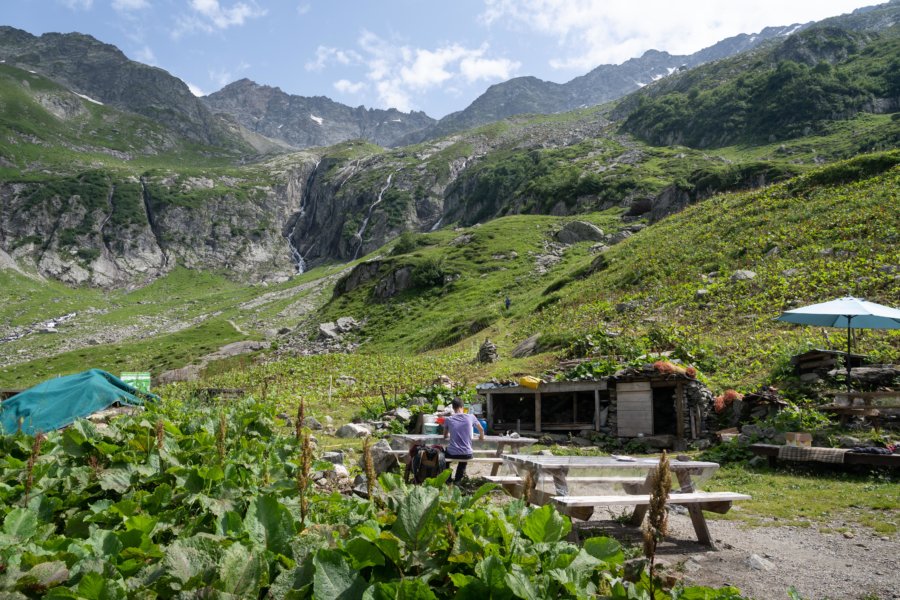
x=101, y=192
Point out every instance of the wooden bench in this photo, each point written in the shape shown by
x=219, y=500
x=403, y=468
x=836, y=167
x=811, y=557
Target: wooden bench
x=507, y=479
x=402, y=452
x=695, y=502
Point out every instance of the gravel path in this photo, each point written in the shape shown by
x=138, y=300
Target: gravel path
x=819, y=565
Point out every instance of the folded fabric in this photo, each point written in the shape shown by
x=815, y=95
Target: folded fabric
x=826, y=455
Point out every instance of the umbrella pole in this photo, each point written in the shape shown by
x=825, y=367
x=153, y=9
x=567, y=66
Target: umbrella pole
x=849, y=335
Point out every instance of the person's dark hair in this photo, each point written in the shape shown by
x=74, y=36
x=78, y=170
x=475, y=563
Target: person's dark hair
x=457, y=403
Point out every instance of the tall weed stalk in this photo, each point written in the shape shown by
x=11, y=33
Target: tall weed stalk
x=657, y=518
x=29, y=469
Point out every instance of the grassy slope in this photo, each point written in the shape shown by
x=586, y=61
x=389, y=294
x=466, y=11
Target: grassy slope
x=173, y=321
x=840, y=239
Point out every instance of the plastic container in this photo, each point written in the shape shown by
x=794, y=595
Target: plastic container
x=431, y=429
x=483, y=426
x=429, y=418
x=530, y=382
x=139, y=380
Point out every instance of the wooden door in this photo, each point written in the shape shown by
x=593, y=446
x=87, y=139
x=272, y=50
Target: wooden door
x=634, y=408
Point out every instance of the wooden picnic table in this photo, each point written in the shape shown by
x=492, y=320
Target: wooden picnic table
x=496, y=443
x=610, y=470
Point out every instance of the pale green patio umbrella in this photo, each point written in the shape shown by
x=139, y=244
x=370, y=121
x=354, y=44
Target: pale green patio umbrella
x=846, y=313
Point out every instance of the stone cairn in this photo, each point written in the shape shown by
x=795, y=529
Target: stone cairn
x=488, y=352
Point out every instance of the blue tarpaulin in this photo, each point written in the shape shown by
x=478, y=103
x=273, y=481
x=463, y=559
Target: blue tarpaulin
x=58, y=402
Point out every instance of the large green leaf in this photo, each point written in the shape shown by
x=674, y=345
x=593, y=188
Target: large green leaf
x=42, y=577
x=407, y=589
x=364, y=553
x=493, y=574
x=544, y=524
x=606, y=549
x=270, y=524
x=20, y=523
x=116, y=479
x=242, y=571
x=191, y=557
x=94, y=586
x=416, y=515
x=520, y=583
x=335, y=578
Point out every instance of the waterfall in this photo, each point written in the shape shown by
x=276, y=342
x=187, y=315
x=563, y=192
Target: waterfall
x=296, y=255
x=365, y=223
x=437, y=225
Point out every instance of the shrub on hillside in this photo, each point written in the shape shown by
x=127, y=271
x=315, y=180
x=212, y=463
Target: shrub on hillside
x=429, y=273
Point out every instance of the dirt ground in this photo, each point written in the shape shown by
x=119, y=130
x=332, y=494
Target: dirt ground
x=765, y=562
x=818, y=565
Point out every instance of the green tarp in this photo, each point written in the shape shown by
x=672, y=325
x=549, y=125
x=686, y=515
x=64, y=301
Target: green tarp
x=58, y=402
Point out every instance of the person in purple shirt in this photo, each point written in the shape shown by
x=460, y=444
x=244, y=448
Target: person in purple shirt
x=458, y=429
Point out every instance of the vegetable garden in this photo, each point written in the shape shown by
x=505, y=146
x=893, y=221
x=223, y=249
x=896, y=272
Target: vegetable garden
x=214, y=501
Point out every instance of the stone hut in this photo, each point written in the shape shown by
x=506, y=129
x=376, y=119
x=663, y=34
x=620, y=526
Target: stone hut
x=668, y=409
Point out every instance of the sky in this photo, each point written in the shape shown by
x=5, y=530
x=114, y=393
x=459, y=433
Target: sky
x=435, y=56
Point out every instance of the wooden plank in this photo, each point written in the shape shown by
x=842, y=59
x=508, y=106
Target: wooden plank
x=596, y=410
x=634, y=409
x=642, y=499
x=537, y=412
x=679, y=409
x=518, y=479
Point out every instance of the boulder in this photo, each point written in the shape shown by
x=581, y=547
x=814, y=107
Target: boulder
x=329, y=331
x=383, y=460
x=403, y=413
x=872, y=375
x=335, y=458
x=393, y=283
x=527, y=347
x=312, y=423
x=347, y=324
x=758, y=563
x=580, y=231
x=743, y=275
x=353, y=430
x=620, y=236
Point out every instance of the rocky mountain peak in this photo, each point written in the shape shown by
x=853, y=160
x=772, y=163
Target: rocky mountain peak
x=304, y=121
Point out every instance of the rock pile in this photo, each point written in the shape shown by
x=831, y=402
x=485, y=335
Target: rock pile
x=488, y=352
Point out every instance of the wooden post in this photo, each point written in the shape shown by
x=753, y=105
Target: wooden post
x=679, y=408
x=574, y=407
x=537, y=412
x=490, y=411
x=597, y=410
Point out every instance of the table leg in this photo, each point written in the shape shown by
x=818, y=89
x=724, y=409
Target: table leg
x=694, y=510
x=699, y=522
x=637, y=515
x=496, y=468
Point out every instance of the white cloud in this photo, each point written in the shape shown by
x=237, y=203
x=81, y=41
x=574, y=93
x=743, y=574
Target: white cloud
x=77, y=4
x=146, y=56
x=195, y=90
x=326, y=55
x=208, y=16
x=474, y=68
x=126, y=6
x=349, y=87
x=593, y=32
x=303, y=8
x=399, y=72
x=223, y=76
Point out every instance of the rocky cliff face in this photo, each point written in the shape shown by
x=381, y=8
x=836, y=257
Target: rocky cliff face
x=103, y=73
x=107, y=231
x=305, y=122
